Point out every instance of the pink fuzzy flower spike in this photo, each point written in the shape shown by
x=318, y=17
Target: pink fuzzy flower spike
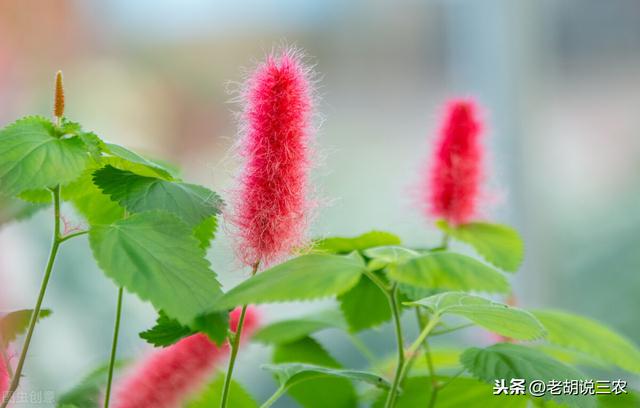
x=271, y=206
x=456, y=167
x=169, y=376
x=4, y=378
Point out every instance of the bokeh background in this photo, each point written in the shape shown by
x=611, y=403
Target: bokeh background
x=560, y=86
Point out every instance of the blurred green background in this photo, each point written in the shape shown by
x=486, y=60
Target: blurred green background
x=558, y=82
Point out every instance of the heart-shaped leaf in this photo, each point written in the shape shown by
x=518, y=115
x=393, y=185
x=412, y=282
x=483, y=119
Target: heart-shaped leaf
x=155, y=255
x=496, y=317
x=307, y=277
x=448, y=270
x=33, y=155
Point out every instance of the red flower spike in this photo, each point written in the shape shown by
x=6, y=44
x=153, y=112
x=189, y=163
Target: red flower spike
x=456, y=167
x=4, y=378
x=271, y=203
x=169, y=376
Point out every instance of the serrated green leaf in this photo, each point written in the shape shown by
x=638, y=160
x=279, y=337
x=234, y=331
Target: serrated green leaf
x=95, y=206
x=169, y=331
x=448, y=270
x=323, y=392
x=286, y=331
x=165, y=332
x=496, y=317
x=589, y=337
x=205, y=232
x=14, y=324
x=365, y=305
x=156, y=256
x=136, y=163
x=498, y=244
x=507, y=361
x=212, y=394
x=343, y=245
x=32, y=156
x=295, y=373
x=215, y=325
x=192, y=203
x=307, y=277
x=89, y=392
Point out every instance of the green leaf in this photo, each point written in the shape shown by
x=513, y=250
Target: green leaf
x=391, y=254
x=215, y=325
x=192, y=203
x=507, y=361
x=468, y=392
x=498, y=244
x=448, y=270
x=169, y=331
x=365, y=305
x=458, y=393
x=412, y=293
x=89, y=392
x=323, y=392
x=166, y=332
x=286, y=331
x=496, y=317
x=32, y=156
x=589, y=337
x=212, y=394
x=307, y=277
x=14, y=324
x=629, y=400
x=383, y=256
x=136, y=163
x=304, y=350
x=416, y=392
x=156, y=256
x=91, y=202
x=295, y=373
x=342, y=245
x=40, y=196
x=205, y=232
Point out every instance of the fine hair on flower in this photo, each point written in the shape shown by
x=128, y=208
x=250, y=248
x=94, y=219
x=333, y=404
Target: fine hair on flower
x=271, y=205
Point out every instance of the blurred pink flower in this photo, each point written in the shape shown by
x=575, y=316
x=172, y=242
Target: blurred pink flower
x=271, y=206
x=4, y=379
x=167, y=377
x=453, y=184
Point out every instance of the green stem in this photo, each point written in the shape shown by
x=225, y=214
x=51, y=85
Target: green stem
x=393, y=303
x=235, y=346
x=383, y=286
x=15, y=381
x=433, y=322
x=281, y=390
x=70, y=236
x=114, y=348
x=451, y=329
x=432, y=373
